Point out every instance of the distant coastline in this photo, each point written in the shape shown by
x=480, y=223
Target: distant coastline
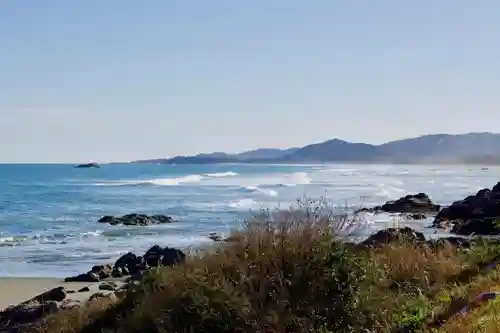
x=444, y=149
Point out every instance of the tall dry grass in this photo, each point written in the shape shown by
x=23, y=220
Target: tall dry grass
x=285, y=271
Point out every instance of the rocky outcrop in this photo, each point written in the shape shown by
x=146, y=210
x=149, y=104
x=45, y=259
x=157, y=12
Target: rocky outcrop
x=416, y=206
x=409, y=235
x=136, y=219
x=131, y=264
x=476, y=214
x=392, y=235
x=88, y=165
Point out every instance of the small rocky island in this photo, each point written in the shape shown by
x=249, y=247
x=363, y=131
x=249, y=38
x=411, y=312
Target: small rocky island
x=415, y=206
x=136, y=219
x=88, y=165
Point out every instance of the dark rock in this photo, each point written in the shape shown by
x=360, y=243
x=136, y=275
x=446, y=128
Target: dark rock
x=417, y=216
x=412, y=204
x=129, y=264
x=477, y=226
x=392, y=235
x=56, y=294
x=88, y=165
x=27, y=312
x=84, y=290
x=167, y=256
x=117, y=272
x=86, y=277
x=14, y=318
x=109, y=219
x=136, y=219
x=104, y=271
x=476, y=214
x=216, y=238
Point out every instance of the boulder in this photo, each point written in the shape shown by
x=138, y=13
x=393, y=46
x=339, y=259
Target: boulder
x=56, y=294
x=34, y=309
x=392, y=235
x=419, y=203
x=103, y=271
x=86, y=277
x=136, y=219
x=129, y=264
x=476, y=214
x=27, y=312
x=164, y=256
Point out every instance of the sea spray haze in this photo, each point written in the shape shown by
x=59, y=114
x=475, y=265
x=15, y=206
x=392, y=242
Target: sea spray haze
x=48, y=213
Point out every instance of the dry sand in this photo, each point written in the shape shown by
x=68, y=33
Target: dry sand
x=16, y=290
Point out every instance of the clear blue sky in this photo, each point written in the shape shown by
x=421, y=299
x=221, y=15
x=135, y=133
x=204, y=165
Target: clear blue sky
x=119, y=80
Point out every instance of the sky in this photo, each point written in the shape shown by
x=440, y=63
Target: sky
x=119, y=80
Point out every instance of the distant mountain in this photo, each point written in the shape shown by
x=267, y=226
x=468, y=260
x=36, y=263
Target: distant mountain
x=470, y=148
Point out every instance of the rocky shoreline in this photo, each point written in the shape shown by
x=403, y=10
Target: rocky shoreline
x=475, y=215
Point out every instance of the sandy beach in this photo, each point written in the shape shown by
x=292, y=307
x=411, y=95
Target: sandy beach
x=16, y=290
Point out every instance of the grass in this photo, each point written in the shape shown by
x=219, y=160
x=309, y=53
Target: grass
x=294, y=271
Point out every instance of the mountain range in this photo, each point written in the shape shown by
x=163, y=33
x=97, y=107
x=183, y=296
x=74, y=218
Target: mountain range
x=470, y=148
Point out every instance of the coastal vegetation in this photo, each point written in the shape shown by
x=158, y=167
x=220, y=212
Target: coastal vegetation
x=300, y=271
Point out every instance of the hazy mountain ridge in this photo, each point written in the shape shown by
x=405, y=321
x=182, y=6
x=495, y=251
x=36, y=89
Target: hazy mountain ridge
x=470, y=148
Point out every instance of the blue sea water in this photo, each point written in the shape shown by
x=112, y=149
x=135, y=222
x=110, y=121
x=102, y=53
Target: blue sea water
x=49, y=213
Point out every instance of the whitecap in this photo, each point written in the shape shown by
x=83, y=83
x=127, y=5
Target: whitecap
x=176, y=181
x=243, y=204
x=156, y=181
x=222, y=174
x=256, y=189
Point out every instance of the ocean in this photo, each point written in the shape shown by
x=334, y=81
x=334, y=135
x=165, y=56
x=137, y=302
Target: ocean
x=49, y=213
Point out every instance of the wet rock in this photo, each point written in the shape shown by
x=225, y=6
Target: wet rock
x=392, y=235
x=476, y=214
x=129, y=264
x=417, y=216
x=411, y=204
x=103, y=271
x=216, y=238
x=136, y=219
x=164, y=256
x=86, y=277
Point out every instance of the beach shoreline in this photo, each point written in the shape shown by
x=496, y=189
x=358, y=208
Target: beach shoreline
x=14, y=291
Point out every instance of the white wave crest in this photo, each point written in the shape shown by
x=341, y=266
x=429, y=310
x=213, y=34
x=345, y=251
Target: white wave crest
x=156, y=181
x=256, y=189
x=176, y=181
x=296, y=178
x=221, y=174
